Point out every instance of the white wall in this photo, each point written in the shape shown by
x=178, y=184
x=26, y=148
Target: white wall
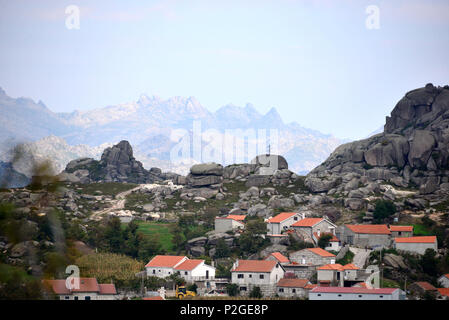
x=353, y=296
x=444, y=282
x=419, y=248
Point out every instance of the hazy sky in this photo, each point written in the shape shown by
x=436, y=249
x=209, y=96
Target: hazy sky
x=315, y=61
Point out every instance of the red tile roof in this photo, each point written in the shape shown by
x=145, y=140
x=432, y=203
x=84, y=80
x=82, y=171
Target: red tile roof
x=280, y=257
x=333, y=266
x=353, y=290
x=350, y=266
x=107, y=288
x=307, y=222
x=310, y=286
x=281, y=217
x=444, y=291
x=86, y=285
x=321, y=252
x=446, y=275
x=293, y=283
x=401, y=228
x=164, y=261
x=424, y=239
x=189, y=264
x=255, y=266
x=369, y=228
x=426, y=286
x=236, y=217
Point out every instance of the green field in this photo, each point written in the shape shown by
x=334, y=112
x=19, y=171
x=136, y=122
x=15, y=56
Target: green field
x=420, y=230
x=162, y=229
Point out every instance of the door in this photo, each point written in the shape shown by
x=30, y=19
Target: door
x=207, y=274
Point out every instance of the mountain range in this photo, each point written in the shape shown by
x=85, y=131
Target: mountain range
x=149, y=124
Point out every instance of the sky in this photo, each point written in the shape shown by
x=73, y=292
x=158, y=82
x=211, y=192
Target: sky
x=315, y=61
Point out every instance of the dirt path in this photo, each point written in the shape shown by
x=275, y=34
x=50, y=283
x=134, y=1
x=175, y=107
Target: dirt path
x=117, y=204
x=360, y=256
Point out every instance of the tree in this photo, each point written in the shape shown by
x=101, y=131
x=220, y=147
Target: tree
x=256, y=226
x=232, y=289
x=192, y=287
x=429, y=262
x=323, y=242
x=383, y=210
x=256, y=293
x=222, y=249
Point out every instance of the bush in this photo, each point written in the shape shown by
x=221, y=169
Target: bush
x=383, y=210
x=323, y=242
x=256, y=293
x=232, y=289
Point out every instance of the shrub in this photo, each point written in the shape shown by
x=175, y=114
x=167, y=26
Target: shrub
x=232, y=289
x=383, y=210
x=256, y=293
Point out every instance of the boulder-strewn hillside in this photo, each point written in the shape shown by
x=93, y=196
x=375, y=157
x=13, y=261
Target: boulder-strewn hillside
x=11, y=178
x=412, y=152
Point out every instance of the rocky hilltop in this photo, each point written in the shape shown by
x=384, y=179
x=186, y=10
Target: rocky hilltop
x=117, y=164
x=411, y=152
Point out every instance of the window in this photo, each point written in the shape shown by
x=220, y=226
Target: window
x=281, y=289
x=250, y=276
x=185, y=272
x=240, y=276
x=294, y=290
x=319, y=294
x=154, y=271
x=339, y=295
x=67, y=297
x=261, y=276
x=381, y=296
x=242, y=288
x=295, y=218
x=76, y=298
x=360, y=295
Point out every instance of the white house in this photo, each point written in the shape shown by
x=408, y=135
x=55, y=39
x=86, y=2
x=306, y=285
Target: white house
x=336, y=274
x=292, y=288
x=195, y=269
x=355, y=293
x=283, y=221
x=417, y=245
x=229, y=223
x=89, y=289
x=444, y=280
x=189, y=269
x=163, y=266
x=264, y=274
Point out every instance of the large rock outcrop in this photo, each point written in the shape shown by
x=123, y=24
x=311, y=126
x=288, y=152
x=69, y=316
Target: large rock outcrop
x=413, y=151
x=117, y=164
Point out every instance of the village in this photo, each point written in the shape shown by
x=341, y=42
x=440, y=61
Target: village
x=312, y=273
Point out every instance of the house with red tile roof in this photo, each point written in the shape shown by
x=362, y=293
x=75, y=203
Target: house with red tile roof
x=292, y=288
x=417, y=245
x=339, y=275
x=444, y=280
x=312, y=257
x=190, y=269
x=401, y=231
x=229, y=223
x=444, y=293
x=282, y=221
x=311, y=228
x=81, y=289
x=264, y=274
x=355, y=293
x=422, y=288
x=279, y=257
x=374, y=236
